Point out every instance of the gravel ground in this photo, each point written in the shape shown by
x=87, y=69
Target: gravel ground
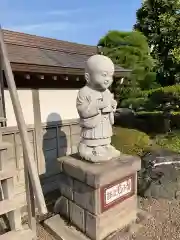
x=163, y=224
x=43, y=234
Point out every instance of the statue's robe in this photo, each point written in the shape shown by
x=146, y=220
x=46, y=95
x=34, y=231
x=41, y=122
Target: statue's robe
x=95, y=124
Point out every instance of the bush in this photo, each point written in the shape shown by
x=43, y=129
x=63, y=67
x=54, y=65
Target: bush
x=164, y=95
x=157, y=98
x=152, y=122
x=124, y=92
x=134, y=103
x=157, y=121
x=146, y=93
x=130, y=141
x=149, y=81
x=175, y=120
x=138, y=103
x=169, y=141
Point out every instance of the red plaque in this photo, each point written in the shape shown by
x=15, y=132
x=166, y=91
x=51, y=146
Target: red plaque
x=117, y=192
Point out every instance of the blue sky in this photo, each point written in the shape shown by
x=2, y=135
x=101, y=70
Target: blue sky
x=82, y=21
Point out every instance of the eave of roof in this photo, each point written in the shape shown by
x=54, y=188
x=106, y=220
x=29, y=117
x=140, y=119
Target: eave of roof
x=40, y=54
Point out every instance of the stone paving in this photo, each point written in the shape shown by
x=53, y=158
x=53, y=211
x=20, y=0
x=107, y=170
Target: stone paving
x=163, y=222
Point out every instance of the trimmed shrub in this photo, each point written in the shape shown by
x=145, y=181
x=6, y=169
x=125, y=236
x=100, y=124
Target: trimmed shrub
x=130, y=141
x=157, y=98
x=146, y=93
x=138, y=103
x=152, y=122
x=169, y=141
x=134, y=103
x=175, y=120
x=164, y=95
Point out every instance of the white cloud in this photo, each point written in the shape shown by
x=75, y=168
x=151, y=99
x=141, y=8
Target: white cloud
x=65, y=12
x=47, y=26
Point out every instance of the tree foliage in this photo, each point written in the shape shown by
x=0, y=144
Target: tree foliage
x=159, y=21
x=129, y=50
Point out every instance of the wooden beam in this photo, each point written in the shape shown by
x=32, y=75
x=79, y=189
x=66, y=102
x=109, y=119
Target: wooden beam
x=33, y=68
x=27, y=76
x=38, y=132
x=28, y=157
x=2, y=103
x=31, y=206
x=36, y=83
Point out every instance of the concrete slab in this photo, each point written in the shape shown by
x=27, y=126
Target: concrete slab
x=61, y=230
x=98, y=175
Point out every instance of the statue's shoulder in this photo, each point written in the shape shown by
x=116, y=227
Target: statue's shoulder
x=108, y=92
x=84, y=91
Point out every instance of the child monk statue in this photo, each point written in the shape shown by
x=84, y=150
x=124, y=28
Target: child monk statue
x=96, y=107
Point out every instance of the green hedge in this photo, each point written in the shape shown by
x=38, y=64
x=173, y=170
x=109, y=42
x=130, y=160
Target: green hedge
x=170, y=94
x=155, y=99
x=174, y=89
x=157, y=112
x=151, y=122
x=130, y=141
x=158, y=121
x=138, y=103
x=135, y=103
x=170, y=141
x=163, y=95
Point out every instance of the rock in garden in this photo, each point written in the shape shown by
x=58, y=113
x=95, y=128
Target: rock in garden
x=160, y=175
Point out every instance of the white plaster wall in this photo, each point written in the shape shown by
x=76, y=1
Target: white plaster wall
x=58, y=104
x=55, y=104
x=25, y=97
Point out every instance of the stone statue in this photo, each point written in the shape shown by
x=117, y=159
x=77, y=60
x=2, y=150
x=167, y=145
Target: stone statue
x=96, y=107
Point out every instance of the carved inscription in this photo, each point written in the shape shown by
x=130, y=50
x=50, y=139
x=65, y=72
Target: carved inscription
x=117, y=192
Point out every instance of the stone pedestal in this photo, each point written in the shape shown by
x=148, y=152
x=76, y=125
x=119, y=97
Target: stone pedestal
x=99, y=198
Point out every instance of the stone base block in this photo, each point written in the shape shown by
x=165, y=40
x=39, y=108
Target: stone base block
x=98, y=198
x=98, y=227
x=60, y=230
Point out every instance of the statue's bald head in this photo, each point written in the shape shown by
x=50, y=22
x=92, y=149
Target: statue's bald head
x=99, y=63
x=99, y=72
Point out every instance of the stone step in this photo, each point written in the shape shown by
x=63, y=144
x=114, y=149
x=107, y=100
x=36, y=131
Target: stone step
x=25, y=234
x=10, y=205
x=6, y=174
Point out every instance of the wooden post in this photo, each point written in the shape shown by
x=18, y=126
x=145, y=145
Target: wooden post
x=2, y=107
x=38, y=132
x=32, y=169
x=31, y=206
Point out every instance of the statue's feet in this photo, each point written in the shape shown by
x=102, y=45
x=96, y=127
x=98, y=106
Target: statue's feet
x=100, y=154
x=94, y=154
x=112, y=151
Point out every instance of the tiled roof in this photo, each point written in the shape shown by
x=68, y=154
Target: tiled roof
x=30, y=49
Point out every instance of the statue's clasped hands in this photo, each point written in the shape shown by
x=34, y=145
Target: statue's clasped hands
x=107, y=106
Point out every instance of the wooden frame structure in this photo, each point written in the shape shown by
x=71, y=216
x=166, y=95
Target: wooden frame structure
x=33, y=186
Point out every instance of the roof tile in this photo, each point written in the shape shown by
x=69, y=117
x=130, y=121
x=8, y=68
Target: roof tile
x=30, y=49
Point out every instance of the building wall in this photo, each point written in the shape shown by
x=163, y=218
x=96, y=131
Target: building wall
x=54, y=129
x=55, y=105
x=58, y=140
x=25, y=97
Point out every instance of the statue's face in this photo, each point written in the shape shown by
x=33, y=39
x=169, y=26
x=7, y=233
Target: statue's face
x=102, y=79
x=100, y=70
